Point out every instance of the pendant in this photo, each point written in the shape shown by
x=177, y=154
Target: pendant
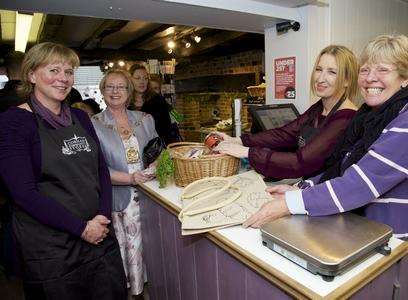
x=132, y=155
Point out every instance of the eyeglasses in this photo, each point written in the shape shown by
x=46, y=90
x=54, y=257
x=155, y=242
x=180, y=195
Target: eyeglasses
x=379, y=71
x=120, y=88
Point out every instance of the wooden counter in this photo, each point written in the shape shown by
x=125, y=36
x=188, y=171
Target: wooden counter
x=232, y=263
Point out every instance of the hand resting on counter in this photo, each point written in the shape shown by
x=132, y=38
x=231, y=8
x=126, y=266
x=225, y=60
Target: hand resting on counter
x=272, y=210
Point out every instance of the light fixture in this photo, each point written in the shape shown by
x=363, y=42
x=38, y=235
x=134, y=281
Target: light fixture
x=188, y=45
x=121, y=63
x=171, y=44
x=23, y=25
x=106, y=67
x=111, y=64
x=170, y=51
x=197, y=39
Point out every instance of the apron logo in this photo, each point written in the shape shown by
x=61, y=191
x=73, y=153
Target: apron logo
x=74, y=145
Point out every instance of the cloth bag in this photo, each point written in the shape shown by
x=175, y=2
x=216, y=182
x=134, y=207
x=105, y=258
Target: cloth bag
x=218, y=202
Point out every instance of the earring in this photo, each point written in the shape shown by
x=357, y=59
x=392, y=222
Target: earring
x=404, y=84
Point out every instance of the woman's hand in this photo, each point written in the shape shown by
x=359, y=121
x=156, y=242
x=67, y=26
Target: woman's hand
x=280, y=189
x=140, y=177
x=270, y=211
x=226, y=138
x=232, y=149
x=96, y=230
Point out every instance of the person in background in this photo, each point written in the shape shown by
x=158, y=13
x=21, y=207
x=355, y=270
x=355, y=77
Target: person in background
x=300, y=148
x=8, y=95
x=152, y=103
x=368, y=169
x=73, y=97
x=155, y=83
x=56, y=176
x=123, y=135
x=88, y=105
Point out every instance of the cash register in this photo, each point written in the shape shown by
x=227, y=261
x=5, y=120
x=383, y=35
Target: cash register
x=271, y=116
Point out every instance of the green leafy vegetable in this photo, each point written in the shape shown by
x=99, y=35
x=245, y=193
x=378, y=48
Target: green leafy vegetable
x=165, y=168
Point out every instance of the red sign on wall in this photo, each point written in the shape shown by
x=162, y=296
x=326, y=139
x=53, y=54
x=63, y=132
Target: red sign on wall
x=285, y=78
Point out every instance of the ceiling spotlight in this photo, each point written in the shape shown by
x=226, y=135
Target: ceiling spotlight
x=110, y=64
x=121, y=63
x=171, y=44
x=188, y=45
x=197, y=39
x=170, y=51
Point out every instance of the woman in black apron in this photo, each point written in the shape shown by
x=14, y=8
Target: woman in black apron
x=62, y=199
x=300, y=148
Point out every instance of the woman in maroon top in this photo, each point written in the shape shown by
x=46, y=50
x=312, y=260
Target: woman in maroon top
x=300, y=148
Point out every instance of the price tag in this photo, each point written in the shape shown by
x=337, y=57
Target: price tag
x=289, y=255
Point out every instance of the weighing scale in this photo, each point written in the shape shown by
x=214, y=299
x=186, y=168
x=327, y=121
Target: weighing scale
x=327, y=245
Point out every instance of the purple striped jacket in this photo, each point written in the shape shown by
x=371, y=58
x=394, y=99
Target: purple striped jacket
x=379, y=182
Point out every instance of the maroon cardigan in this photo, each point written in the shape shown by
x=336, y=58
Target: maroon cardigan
x=268, y=150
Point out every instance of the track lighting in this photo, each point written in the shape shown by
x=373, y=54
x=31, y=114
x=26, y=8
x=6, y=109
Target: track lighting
x=171, y=44
x=197, y=39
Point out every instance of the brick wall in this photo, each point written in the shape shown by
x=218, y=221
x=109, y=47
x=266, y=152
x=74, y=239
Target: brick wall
x=197, y=109
x=240, y=63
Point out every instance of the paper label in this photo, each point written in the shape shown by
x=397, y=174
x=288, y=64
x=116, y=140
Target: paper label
x=289, y=255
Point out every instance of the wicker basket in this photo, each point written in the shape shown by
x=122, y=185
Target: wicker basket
x=188, y=170
x=256, y=91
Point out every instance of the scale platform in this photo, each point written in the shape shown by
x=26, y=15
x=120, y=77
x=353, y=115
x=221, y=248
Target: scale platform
x=327, y=245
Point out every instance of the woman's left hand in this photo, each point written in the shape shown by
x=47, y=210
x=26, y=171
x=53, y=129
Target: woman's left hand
x=140, y=177
x=233, y=149
x=272, y=210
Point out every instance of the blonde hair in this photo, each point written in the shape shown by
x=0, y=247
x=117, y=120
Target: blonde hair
x=128, y=79
x=41, y=55
x=391, y=49
x=347, y=73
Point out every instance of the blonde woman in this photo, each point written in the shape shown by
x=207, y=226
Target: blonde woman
x=123, y=135
x=301, y=147
x=56, y=175
x=368, y=169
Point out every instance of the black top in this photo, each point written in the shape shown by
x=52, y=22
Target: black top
x=158, y=108
x=9, y=97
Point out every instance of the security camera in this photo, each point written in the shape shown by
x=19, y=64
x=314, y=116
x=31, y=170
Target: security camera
x=285, y=26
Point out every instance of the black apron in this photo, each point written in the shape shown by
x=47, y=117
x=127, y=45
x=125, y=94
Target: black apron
x=56, y=264
x=312, y=128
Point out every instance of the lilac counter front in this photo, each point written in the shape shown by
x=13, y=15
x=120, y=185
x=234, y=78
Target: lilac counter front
x=232, y=264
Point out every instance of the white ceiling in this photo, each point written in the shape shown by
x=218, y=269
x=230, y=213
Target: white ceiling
x=239, y=15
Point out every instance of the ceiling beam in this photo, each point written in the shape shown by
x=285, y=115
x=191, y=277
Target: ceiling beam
x=209, y=42
x=146, y=38
x=107, y=27
x=51, y=26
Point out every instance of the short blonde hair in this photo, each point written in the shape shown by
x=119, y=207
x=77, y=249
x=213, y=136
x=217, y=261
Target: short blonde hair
x=391, y=49
x=347, y=73
x=126, y=76
x=40, y=55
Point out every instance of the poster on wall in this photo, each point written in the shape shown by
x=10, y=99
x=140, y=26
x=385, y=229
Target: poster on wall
x=285, y=78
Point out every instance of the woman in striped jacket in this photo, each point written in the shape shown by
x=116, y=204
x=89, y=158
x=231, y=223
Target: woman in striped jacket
x=369, y=167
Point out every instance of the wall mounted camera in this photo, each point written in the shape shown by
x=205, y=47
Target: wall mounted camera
x=285, y=26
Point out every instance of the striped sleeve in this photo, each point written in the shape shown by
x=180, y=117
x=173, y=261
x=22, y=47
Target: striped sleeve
x=382, y=168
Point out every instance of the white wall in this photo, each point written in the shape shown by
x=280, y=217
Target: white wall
x=304, y=44
x=347, y=22
x=355, y=22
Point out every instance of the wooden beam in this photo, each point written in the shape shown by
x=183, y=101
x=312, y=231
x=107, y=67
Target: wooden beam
x=146, y=38
x=107, y=27
x=209, y=42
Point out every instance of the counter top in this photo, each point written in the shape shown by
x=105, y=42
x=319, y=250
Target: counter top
x=246, y=245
